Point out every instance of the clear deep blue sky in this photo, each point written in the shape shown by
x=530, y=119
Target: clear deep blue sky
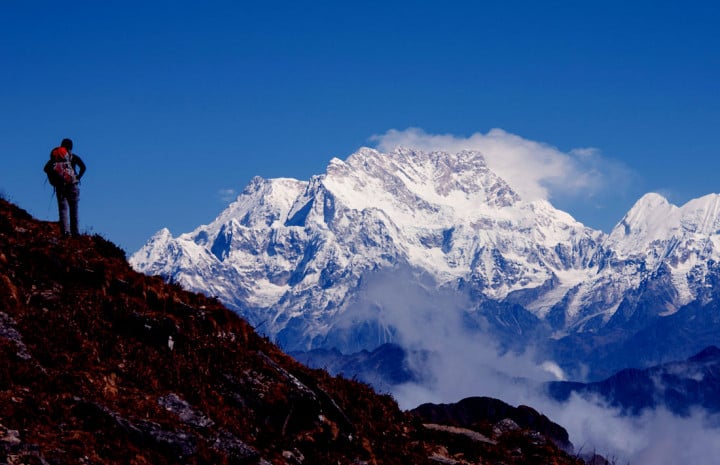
x=169, y=102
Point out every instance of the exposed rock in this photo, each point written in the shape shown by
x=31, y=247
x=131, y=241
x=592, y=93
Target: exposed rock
x=8, y=331
x=10, y=437
x=474, y=435
x=503, y=426
x=173, y=403
x=236, y=450
x=443, y=460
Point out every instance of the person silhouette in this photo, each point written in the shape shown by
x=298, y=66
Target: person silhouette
x=63, y=175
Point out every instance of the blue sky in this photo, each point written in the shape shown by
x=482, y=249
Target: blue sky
x=171, y=103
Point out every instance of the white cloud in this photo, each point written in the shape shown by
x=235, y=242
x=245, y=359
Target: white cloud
x=455, y=358
x=535, y=170
x=227, y=195
x=554, y=369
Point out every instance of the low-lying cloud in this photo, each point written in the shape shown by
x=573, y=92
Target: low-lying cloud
x=656, y=436
x=456, y=361
x=468, y=365
x=535, y=170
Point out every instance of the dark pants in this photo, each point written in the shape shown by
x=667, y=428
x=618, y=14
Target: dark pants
x=68, y=198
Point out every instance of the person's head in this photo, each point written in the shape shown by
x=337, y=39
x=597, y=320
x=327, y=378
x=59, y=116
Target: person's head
x=67, y=143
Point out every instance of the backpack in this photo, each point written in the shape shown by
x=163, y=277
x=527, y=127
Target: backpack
x=60, y=170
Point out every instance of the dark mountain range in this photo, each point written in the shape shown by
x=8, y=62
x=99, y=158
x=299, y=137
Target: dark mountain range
x=677, y=386
x=103, y=365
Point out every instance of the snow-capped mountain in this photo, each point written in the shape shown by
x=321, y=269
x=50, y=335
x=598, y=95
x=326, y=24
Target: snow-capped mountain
x=656, y=244
x=323, y=263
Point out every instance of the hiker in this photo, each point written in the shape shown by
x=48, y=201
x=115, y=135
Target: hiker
x=62, y=174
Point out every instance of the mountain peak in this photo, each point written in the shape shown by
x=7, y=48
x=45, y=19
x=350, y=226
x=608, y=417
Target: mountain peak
x=409, y=178
x=653, y=221
x=653, y=212
x=710, y=353
x=652, y=218
x=652, y=198
x=650, y=210
x=702, y=215
x=162, y=235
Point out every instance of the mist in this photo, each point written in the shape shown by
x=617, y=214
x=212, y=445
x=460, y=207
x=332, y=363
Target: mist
x=654, y=437
x=455, y=361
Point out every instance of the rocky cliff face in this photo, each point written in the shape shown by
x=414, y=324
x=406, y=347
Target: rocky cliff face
x=103, y=365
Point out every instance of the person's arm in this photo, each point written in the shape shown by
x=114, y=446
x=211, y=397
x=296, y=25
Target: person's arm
x=78, y=161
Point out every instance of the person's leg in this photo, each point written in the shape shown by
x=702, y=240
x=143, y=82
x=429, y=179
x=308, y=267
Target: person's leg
x=73, y=200
x=62, y=201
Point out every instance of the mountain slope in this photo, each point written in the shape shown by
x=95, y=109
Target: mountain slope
x=677, y=386
x=102, y=365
